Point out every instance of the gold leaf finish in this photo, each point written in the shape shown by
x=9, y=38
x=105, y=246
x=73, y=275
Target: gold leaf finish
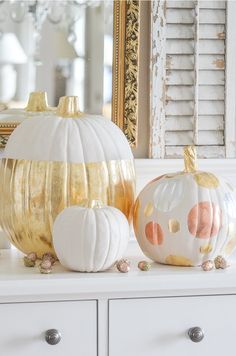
x=33, y=193
x=148, y=210
x=190, y=159
x=125, y=68
x=206, y=180
x=178, y=261
x=205, y=249
x=174, y=225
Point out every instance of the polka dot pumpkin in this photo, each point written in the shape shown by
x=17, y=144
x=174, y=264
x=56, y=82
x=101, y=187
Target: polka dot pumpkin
x=186, y=218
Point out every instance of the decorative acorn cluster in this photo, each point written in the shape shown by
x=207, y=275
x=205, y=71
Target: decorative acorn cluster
x=45, y=265
x=219, y=263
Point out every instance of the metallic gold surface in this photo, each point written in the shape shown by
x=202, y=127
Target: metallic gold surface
x=174, y=225
x=205, y=249
x=178, y=261
x=148, y=210
x=37, y=102
x=190, y=159
x=69, y=107
x=206, y=180
x=33, y=193
x=125, y=67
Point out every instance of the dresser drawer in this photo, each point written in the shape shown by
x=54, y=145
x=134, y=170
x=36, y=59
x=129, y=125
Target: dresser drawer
x=159, y=326
x=23, y=327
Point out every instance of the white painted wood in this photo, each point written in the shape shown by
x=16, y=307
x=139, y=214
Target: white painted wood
x=214, y=16
x=216, y=152
x=185, y=123
x=215, y=4
x=160, y=326
x=103, y=327
x=185, y=16
x=179, y=4
x=230, y=94
x=23, y=326
x=157, y=143
x=194, y=80
x=209, y=31
x=176, y=138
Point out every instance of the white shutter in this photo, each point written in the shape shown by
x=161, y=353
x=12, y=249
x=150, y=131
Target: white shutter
x=189, y=52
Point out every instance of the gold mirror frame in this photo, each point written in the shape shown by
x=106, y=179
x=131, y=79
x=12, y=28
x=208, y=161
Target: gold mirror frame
x=125, y=72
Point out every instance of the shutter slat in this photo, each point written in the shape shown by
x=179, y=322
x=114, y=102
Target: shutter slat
x=211, y=92
x=212, y=4
x=185, y=123
x=202, y=151
x=179, y=47
x=186, y=138
x=179, y=77
x=206, y=92
x=213, y=16
x=212, y=61
x=178, y=31
x=185, y=16
x=179, y=4
x=207, y=31
x=179, y=108
x=211, y=46
x=208, y=77
x=211, y=107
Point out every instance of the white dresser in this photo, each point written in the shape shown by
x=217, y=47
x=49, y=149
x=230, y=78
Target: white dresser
x=135, y=314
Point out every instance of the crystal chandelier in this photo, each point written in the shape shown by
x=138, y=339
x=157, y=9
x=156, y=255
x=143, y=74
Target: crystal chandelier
x=63, y=13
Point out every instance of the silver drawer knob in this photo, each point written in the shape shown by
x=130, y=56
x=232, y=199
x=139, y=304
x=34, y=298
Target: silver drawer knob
x=52, y=336
x=196, y=334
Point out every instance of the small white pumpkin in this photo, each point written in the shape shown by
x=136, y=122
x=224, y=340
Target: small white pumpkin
x=90, y=239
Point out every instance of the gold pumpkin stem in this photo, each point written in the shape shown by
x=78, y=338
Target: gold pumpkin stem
x=69, y=107
x=37, y=102
x=95, y=204
x=190, y=159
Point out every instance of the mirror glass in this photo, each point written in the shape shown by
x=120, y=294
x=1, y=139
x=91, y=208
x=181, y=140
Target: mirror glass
x=61, y=47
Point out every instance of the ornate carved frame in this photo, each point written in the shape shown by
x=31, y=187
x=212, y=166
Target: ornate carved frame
x=125, y=72
x=125, y=68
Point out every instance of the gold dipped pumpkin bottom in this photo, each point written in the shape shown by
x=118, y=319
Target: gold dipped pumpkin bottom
x=33, y=193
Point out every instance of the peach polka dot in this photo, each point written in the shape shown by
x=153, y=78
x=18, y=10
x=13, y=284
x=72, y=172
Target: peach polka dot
x=205, y=220
x=154, y=233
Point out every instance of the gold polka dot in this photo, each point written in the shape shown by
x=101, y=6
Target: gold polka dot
x=174, y=225
x=205, y=249
x=178, y=261
x=206, y=180
x=148, y=210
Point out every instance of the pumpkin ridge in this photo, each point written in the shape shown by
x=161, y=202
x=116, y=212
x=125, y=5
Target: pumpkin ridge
x=109, y=241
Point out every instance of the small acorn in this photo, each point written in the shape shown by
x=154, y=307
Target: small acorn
x=28, y=262
x=32, y=256
x=123, y=266
x=50, y=257
x=220, y=262
x=207, y=265
x=144, y=266
x=45, y=266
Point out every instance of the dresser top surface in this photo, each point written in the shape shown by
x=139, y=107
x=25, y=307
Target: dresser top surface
x=16, y=280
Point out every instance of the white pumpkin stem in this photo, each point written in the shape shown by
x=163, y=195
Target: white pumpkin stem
x=69, y=107
x=95, y=204
x=37, y=102
x=190, y=159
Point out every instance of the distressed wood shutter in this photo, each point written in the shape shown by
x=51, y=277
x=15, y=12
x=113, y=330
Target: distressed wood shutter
x=188, y=78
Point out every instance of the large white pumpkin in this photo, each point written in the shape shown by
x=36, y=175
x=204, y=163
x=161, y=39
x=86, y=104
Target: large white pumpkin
x=90, y=239
x=186, y=218
x=55, y=161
